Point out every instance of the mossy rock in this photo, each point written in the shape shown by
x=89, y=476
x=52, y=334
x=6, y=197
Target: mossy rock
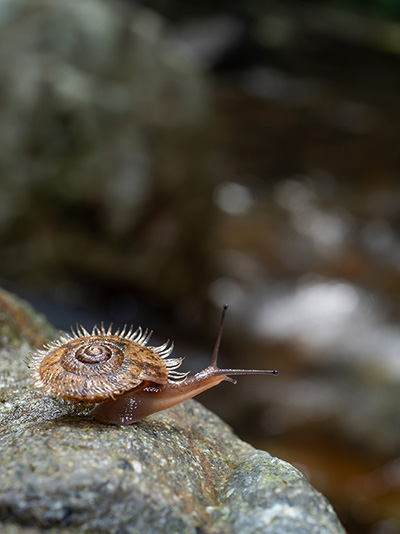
x=182, y=470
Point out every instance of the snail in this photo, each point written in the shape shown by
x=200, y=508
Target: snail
x=129, y=379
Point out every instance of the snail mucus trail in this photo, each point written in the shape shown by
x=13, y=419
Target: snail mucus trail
x=129, y=379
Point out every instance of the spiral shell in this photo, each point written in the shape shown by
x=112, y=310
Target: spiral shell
x=92, y=367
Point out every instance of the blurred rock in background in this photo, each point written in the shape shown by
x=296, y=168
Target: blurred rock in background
x=106, y=159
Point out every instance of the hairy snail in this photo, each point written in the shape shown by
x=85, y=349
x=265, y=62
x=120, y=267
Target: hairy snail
x=129, y=379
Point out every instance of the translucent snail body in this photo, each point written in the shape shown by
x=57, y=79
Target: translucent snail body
x=129, y=379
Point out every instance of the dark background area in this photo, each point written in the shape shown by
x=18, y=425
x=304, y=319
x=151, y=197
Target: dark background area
x=158, y=159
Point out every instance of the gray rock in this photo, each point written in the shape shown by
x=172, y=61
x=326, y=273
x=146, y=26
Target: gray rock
x=105, y=147
x=182, y=470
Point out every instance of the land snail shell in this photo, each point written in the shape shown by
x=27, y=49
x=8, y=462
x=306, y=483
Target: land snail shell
x=93, y=367
x=119, y=370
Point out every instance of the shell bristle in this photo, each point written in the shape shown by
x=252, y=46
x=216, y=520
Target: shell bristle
x=163, y=350
x=177, y=376
x=137, y=334
x=173, y=363
x=74, y=334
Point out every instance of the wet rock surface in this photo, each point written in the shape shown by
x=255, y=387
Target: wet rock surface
x=182, y=470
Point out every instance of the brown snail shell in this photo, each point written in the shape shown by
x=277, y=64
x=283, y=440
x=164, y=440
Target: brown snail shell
x=93, y=367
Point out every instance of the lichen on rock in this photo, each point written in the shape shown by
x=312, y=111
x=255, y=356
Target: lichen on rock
x=181, y=470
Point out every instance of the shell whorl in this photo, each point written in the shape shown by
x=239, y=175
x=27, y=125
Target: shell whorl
x=92, y=367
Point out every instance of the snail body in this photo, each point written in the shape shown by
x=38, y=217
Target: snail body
x=129, y=379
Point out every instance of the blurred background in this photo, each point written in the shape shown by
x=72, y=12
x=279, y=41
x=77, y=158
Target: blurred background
x=160, y=158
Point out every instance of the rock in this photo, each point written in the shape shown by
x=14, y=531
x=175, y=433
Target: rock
x=105, y=148
x=182, y=470
x=20, y=324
